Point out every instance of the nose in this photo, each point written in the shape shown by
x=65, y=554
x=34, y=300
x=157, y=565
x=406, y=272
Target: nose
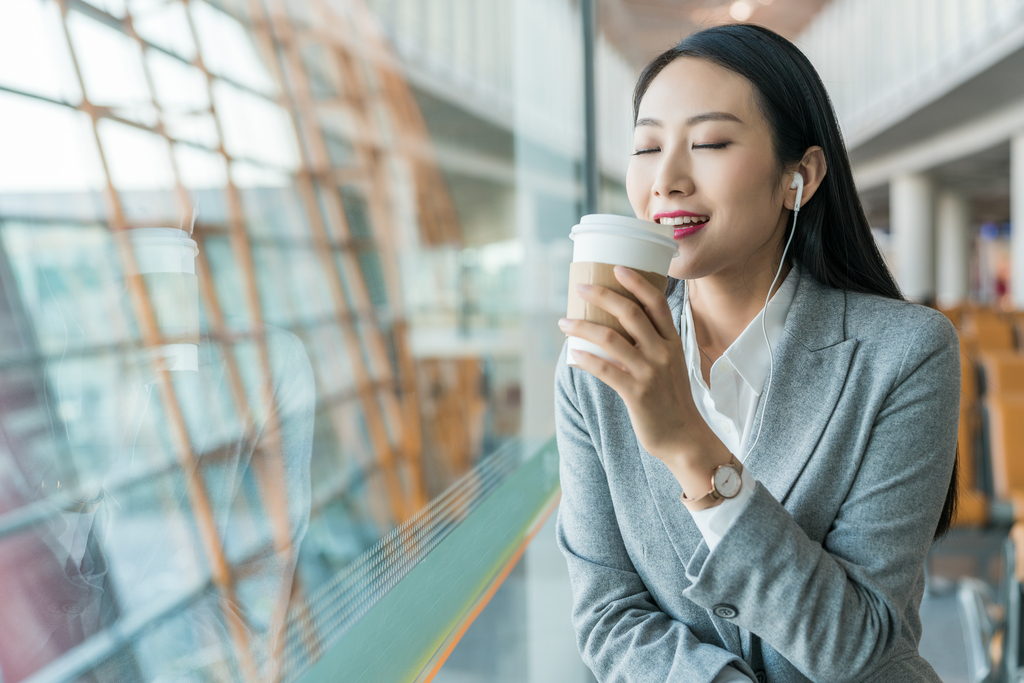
x=673, y=176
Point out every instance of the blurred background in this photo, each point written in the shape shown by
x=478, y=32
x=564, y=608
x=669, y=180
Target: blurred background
x=279, y=283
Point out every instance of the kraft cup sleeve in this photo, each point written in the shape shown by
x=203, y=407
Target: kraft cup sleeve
x=591, y=273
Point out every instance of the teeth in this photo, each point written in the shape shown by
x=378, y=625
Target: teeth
x=682, y=220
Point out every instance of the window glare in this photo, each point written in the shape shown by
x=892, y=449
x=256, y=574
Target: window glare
x=33, y=51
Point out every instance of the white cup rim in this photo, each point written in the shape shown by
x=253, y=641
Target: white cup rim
x=162, y=237
x=661, y=240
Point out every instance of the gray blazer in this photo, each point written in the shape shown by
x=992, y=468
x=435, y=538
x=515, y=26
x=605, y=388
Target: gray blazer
x=821, y=576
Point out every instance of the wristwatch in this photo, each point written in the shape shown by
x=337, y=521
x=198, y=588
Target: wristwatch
x=726, y=482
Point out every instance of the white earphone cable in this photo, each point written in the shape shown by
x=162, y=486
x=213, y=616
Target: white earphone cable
x=764, y=311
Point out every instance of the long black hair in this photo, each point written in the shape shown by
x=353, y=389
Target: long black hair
x=833, y=241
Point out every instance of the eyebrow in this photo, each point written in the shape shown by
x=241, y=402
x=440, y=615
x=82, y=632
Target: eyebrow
x=693, y=120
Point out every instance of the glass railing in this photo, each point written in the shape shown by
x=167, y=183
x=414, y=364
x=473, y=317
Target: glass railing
x=400, y=609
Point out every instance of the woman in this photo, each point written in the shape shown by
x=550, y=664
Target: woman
x=730, y=513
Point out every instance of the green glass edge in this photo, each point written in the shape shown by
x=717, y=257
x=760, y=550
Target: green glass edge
x=402, y=634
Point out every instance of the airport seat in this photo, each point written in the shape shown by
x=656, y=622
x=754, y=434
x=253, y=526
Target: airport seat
x=1006, y=448
x=1003, y=371
x=972, y=505
x=969, y=390
x=1018, y=328
x=988, y=330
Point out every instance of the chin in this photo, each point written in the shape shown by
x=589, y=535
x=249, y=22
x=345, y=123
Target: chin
x=686, y=267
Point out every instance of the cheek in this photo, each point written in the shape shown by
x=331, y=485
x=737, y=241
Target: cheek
x=739, y=186
x=638, y=187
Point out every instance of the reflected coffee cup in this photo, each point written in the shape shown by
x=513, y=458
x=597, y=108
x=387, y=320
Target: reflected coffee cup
x=601, y=242
x=166, y=259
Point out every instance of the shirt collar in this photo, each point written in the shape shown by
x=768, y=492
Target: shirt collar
x=748, y=353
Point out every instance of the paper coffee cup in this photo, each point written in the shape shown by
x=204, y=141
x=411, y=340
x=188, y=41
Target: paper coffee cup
x=166, y=258
x=601, y=242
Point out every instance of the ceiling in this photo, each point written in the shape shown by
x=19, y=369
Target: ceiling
x=643, y=28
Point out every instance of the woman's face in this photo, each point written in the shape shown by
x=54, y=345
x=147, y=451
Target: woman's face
x=702, y=147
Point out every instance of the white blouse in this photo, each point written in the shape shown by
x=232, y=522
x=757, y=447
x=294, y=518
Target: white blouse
x=728, y=406
x=730, y=403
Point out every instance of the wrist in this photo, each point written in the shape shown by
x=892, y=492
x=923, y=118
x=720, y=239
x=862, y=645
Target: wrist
x=693, y=467
x=704, y=503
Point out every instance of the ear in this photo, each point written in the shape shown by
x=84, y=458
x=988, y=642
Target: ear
x=813, y=168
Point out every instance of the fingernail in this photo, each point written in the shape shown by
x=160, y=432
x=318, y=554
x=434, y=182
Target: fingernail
x=583, y=288
x=563, y=323
x=622, y=270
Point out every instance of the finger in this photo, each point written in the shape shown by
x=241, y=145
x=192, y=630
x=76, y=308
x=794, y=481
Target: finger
x=631, y=315
x=654, y=302
x=619, y=380
x=611, y=342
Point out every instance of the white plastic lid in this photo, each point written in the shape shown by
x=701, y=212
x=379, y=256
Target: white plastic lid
x=610, y=219
x=162, y=237
x=646, y=236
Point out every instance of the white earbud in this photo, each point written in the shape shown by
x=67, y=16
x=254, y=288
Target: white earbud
x=798, y=183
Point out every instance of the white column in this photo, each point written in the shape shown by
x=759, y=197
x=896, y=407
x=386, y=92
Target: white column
x=1017, y=219
x=911, y=217
x=953, y=248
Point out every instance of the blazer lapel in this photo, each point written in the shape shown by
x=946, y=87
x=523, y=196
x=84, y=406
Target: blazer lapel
x=812, y=363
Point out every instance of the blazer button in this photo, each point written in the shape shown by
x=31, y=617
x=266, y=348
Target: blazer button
x=761, y=677
x=724, y=611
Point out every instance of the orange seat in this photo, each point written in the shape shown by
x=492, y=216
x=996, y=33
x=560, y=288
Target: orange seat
x=972, y=505
x=968, y=381
x=1006, y=444
x=1003, y=370
x=989, y=334
x=1017, y=317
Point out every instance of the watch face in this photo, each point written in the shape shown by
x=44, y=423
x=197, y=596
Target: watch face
x=727, y=481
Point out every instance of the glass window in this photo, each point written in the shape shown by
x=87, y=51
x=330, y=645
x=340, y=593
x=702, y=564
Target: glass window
x=178, y=87
x=357, y=213
x=46, y=132
x=137, y=160
x=111, y=65
x=229, y=50
x=34, y=57
x=164, y=23
x=319, y=71
x=215, y=444
x=255, y=129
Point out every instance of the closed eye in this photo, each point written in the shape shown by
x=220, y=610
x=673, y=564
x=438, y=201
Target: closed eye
x=717, y=145
x=646, y=151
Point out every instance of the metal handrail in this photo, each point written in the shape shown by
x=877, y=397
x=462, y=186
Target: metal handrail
x=1011, y=668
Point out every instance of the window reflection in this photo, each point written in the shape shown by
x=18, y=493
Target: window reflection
x=194, y=447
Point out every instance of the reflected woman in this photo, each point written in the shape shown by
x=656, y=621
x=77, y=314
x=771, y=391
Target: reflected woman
x=730, y=512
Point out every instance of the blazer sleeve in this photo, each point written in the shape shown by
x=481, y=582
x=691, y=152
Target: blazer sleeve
x=621, y=632
x=834, y=610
